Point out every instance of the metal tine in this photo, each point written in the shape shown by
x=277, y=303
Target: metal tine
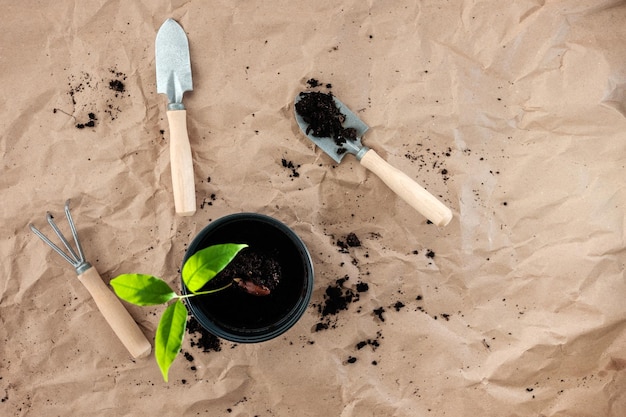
x=81, y=255
x=52, y=245
x=58, y=232
x=73, y=259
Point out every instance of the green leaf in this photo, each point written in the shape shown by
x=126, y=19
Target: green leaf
x=142, y=290
x=169, y=336
x=203, y=265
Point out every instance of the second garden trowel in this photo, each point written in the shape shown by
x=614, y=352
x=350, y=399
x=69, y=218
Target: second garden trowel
x=337, y=141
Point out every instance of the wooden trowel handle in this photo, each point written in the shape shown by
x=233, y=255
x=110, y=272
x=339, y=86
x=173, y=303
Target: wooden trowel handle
x=181, y=163
x=116, y=314
x=407, y=189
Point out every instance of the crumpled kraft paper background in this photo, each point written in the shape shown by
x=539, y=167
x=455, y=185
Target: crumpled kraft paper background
x=512, y=112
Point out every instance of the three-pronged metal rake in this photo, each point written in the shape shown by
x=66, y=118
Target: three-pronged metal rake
x=109, y=305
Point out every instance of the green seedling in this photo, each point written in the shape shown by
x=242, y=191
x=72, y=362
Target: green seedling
x=148, y=290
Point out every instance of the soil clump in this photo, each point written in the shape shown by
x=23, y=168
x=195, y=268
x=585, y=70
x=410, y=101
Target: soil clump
x=323, y=117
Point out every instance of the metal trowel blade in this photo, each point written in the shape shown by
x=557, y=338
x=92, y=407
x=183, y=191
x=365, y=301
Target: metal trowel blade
x=328, y=144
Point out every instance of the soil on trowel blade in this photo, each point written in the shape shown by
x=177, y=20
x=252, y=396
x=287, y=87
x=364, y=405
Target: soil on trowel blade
x=323, y=117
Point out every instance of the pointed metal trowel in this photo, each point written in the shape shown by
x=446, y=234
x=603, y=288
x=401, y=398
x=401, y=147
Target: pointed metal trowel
x=400, y=183
x=173, y=76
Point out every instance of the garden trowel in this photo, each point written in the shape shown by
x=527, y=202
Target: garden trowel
x=173, y=77
x=400, y=183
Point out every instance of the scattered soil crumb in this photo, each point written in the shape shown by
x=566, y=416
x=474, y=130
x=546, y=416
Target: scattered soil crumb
x=350, y=241
x=379, y=313
x=208, y=201
x=313, y=83
x=88, y=98
x=291, y=166
x=373, y=343
x=399, y=305
x=117, y=85
x=337, y=298
x=343, y=246
x=90, y=123
x=201, y=338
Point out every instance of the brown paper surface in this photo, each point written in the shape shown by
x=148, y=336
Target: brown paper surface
x=517, y=308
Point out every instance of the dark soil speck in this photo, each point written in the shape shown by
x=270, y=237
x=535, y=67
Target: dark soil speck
x=291, y=166
x=117, y=85
x=379, y=313
x=352, y=240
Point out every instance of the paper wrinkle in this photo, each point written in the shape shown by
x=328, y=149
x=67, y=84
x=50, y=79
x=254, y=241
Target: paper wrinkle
x=615, y=95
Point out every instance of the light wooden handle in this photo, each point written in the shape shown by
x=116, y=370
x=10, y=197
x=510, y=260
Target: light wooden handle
x=116, y=314
x=407, y=189
x=181, y=164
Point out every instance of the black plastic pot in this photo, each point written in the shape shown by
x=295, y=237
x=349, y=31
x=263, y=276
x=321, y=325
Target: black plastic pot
x=239, y=317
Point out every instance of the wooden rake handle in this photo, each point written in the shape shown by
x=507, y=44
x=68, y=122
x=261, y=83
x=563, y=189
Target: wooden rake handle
x=116, y=314
x=407, y=189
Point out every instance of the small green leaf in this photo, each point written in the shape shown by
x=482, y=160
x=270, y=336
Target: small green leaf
x=169, y=336
x=142, y=290
x=203, y=265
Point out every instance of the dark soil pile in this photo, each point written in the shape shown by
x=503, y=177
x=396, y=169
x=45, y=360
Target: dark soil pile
x=117, y=85
x=323, y=117
x=337, y=297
